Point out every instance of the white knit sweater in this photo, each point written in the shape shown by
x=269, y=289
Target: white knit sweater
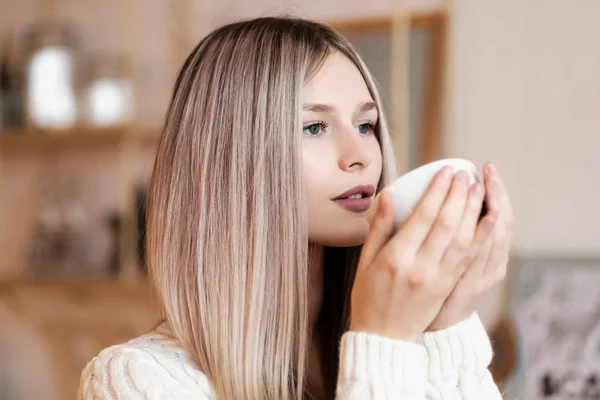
x=444, y=365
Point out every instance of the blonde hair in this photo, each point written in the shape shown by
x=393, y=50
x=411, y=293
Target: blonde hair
x=227, y=243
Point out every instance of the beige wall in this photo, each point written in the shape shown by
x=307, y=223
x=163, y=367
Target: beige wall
x=526, y=93
x=525, y=79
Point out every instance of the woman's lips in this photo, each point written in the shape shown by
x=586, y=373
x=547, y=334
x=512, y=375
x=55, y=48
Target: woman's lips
x=355, y=205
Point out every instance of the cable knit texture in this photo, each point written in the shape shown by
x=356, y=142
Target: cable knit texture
x=444, y=365
x=457, y=362
x=375, y=367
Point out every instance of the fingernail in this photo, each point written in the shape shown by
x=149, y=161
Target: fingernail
x=492, y=170
x=446, y=172
x=462, y=177
x=493, y=189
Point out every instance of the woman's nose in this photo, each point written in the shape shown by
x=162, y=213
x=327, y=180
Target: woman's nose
x=353, y=152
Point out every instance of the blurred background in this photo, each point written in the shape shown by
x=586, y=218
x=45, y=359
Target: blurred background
x=84, y=86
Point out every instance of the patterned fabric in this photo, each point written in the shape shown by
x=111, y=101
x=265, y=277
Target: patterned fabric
x=444, y=365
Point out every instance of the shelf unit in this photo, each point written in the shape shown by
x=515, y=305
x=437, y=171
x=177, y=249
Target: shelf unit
x=132, y=143
x=27, y=140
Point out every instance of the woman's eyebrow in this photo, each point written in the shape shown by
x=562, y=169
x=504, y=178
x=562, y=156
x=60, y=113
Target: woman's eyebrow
x=366, y=106
x=318, y=107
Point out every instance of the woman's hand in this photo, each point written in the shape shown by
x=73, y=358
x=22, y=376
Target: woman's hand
x=403, y=278
x=486, y=262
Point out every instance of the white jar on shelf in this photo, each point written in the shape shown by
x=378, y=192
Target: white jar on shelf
x=52, y=75
x=108, y=92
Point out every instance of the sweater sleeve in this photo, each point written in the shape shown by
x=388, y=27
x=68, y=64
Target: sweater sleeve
x=133, y=374
x=457, y=362
x=373, y=367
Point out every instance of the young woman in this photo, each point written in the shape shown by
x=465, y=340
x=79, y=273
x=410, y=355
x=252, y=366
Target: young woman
x=271, y=281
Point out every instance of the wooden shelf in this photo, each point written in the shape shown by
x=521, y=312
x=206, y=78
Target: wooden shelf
x=28, y=140
x=83, y=284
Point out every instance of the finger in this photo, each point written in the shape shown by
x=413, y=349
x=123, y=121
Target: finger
x=382, y=228
x=415, y=229
x=499, y=254
x=466, y=232
x=484, y=234
x=492, y=191
x=493, y=175
x=448, y=222
x=505, y=211
x=507, y=214
x=491, y=172
x=475, y=270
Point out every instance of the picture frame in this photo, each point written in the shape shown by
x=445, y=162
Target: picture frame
x=373, y=39
x=554, y=308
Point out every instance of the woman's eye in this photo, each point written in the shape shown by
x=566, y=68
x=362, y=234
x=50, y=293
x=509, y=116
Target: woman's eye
x=366, y=128
x=315, y=129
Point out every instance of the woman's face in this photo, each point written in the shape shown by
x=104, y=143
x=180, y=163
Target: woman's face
x=340, y=152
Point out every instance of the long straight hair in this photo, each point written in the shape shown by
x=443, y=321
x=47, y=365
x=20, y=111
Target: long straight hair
x=227, y=242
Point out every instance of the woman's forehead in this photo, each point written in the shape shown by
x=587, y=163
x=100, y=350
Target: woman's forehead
x=338, y=83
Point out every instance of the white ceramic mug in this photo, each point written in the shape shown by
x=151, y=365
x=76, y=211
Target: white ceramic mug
x=408, y=189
